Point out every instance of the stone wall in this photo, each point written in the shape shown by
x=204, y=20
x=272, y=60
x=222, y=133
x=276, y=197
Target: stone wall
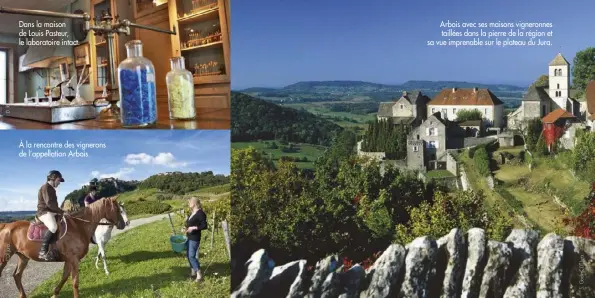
x=451, y=164
x=371, y=155
x=456, y=265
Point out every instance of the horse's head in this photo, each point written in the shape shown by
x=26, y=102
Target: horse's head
x=123, y=213
x=114, y=214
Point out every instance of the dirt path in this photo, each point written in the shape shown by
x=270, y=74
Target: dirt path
x=38, y=272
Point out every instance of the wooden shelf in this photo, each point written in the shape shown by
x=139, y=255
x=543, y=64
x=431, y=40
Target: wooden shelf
x=203, y=15
x=101, y=43
x=208, y=45
x=218, y=79
x=148, y=11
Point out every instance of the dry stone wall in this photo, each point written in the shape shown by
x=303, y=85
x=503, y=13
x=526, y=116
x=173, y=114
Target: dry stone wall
x=457, y=265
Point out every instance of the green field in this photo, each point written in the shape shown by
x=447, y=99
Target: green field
x=439, y=174
x=206, y=194
x=142, y=264
x=343, y=119
x=311, y=152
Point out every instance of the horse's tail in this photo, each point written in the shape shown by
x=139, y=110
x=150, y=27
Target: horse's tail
x=4, y=243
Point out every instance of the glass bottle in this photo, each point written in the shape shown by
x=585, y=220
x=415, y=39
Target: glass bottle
x=180, y=91
x=138, y=95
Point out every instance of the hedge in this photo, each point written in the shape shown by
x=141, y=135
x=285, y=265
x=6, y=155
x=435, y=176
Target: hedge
x=146, y=207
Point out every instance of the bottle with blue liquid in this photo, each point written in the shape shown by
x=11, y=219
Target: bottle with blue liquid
x=138, y=95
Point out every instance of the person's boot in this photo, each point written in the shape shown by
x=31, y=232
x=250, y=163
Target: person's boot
x=43, y=253
x=198, y=276
x=193, y=273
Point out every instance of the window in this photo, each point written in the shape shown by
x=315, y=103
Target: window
x=543, y=111
x=432, y=131
x=418, y=137
x=485, y=112
x=402, y=106
x=555, y=72
x=3, y=76
x=558, y=86
x=433, y=110
x=415, y=148
x=432, y=144
x=444, y=113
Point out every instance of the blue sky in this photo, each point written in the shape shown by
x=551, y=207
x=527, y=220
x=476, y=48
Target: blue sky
x=276, y=43
x=129, y=155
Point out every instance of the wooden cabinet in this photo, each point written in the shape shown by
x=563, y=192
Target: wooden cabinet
x=203, y=40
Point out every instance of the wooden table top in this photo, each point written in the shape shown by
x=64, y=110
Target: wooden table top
x=206, y=118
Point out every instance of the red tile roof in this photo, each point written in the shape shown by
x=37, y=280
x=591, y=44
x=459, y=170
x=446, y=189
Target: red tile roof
x=556, y=115
x=590, y=96
x=465, y=97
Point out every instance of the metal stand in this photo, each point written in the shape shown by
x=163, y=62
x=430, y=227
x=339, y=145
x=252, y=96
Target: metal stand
x=106, y=26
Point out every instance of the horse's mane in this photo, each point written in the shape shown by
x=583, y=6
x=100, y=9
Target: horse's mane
x=96, y=210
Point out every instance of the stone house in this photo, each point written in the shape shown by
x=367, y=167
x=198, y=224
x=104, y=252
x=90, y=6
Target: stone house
x=556, y=125
x=451, y=101
x=429, y=141
x=410, y=108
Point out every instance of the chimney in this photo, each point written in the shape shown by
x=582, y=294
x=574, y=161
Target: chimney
x=454, y=89
x=404, y=93
x=475, y=89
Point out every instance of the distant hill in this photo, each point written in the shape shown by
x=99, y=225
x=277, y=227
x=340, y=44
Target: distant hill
x=256, y=119
x=317, y=91
x=172, y=182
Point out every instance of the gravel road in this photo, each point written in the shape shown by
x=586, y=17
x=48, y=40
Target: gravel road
x=37, y=272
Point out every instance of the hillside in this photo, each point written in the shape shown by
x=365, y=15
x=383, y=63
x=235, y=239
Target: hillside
x=175, y=183
x=256, y=119
x=357, y=91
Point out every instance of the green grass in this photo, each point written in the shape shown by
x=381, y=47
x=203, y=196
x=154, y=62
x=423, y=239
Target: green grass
x=312, y=152
x=318, y=108
x=142, y=264
x=439, y=174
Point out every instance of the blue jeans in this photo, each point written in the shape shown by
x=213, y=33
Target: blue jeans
x=191, y=253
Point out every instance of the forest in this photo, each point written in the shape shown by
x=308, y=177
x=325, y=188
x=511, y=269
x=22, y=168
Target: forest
x=256, y=119
x=384, y=136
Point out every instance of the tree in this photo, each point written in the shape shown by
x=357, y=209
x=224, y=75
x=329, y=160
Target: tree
x=466, y=115
x=583, y=69
x=482, y=161
x=542, y=81
x=583, y=162
x=532, y=132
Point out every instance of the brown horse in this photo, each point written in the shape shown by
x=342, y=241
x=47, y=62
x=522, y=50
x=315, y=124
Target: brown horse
x=71, y=247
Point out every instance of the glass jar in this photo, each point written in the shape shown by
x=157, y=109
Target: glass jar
x=138, y=95
x=180, y=91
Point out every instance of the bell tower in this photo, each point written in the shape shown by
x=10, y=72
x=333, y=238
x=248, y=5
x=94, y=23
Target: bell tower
x=559, y=81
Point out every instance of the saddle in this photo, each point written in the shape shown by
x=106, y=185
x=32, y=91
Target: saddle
x=37, y=229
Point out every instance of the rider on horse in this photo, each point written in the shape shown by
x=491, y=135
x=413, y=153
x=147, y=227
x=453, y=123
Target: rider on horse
x=47, y=209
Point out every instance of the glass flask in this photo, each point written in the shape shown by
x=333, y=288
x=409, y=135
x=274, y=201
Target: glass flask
x=138, y=95
x=180, y=91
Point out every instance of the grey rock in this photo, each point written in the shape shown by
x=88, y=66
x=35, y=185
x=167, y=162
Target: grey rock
x=452, y=252
x=321, y=272
x=492, y=283
x=384, y=275
x=259, y=271
x=287, y=281
x=331, y=287
x=419, y=266
x=351, y=281
x=579, y=266
x=524, y=243
x=549, y=266
x=476, y=259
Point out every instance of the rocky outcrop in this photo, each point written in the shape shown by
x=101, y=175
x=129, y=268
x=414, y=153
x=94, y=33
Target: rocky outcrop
x=456, y=265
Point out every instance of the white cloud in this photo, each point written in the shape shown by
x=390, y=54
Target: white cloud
x=120, y=174
x=161, y=159
x=18, y=204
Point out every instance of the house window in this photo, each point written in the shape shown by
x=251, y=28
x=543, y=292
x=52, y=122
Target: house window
x=418, y=137
x=401, y=106
x=485, y=112
x=454, y=111
x=444, y=113
x=558, y=86
x=3, y=76
x=432, y=144
x=415, y=148
x=432, y=131
x=433, y=110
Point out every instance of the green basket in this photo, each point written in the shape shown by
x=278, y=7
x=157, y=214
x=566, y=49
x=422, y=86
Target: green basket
x=178, y=243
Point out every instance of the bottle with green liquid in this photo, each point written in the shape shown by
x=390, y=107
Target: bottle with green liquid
x=180, y=91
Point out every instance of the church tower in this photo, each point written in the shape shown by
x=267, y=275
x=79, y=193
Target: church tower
x=559, y=89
